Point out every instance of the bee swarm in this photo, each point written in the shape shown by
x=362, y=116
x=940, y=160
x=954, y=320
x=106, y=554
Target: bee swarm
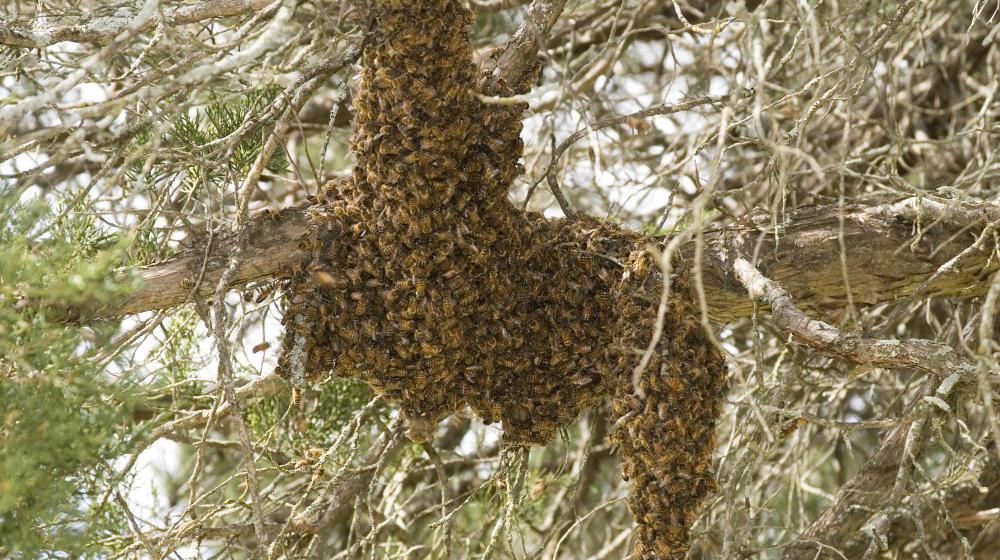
x=428, y=284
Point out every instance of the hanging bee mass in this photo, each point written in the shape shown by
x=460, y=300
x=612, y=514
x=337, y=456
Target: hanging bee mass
x=426, y=282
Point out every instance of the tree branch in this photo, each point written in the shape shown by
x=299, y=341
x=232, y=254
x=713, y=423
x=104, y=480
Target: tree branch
x=106, y=23
x=973, y=504
x=922, y=355
x=885, y=259
x=864, y=494
x=272, y=246
x=518, y=57
x=891, y=249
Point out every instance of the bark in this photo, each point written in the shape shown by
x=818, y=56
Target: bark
x=891, y=249
x=272, y=246
x=105, y=23
x=972, y=503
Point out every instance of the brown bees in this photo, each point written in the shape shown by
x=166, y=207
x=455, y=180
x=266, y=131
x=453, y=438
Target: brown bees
x=439, y=293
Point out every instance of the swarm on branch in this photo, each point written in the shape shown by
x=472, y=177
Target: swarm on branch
x=426, y=282
x=418, y=276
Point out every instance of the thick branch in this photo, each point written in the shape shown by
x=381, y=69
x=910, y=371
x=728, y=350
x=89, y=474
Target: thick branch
x=890, y=250
x=106, y=23
x=272, y=246
x=885, y=261
x=519, y=55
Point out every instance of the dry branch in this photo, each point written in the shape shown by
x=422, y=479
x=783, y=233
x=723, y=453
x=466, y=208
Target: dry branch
x=974, y=504
x=107, y=22
x=892, y=249
x=861, y=496
x=272, y=245
x=923, y=355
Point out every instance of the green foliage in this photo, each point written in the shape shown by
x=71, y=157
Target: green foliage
x=180, y=348
x=337, y=399
x=205, y=144
x=59, y=425
x=342, y=398
x=221, y=118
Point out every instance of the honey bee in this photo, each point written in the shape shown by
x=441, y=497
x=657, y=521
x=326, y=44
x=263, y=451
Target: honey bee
x=424, y=225
x=349, y=334
x=370, y=328
x=429, y=349
x=264, y=291
x=274, y=214
x=448, y=306
x=315, y=214
x=566, y=335
x=261, y=347
x=387, y=148
x=640, y=264
x=580, y=380
x=393, y=175
x=296, y=396
x=420, y=379
x=603, y=299
x=386, y=243
x=574, y=297
x=417, y=260
x=390, y=296
x=412, y=308
x=674, y=383
x=489, y=235
x=488, y=345
x=412, y=207
x=324, y=278
x=452, y=338
x=314, y=453
x=791, y=426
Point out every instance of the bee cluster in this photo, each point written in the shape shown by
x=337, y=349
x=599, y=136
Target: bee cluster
x=666, y=432
x=428, y=284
